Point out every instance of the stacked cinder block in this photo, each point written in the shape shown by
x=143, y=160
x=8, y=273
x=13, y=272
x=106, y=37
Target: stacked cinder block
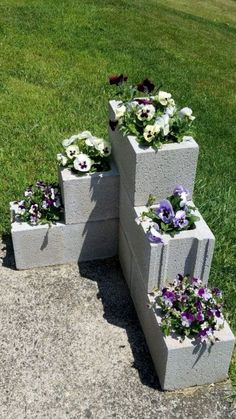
x=147, y=265
x=90, y=230
x=143, y=171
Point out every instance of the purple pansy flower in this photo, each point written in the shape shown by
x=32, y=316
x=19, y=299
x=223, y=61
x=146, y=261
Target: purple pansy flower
x=146, y=86
x=199, y=316
x=198, y=305
x=153, y=234
x=178, y=280
x=179, y=189
x=168, y=297
x=180, y=220
x=182, y=193
x=216, y=291
x=164, y=211
x=196, y=281
x=204, y=293
x=205, y=334
x=40, y=184
x=187, y=318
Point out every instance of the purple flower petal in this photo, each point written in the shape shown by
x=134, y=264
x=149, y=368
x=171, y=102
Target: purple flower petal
x=180, y=220
x=164, y=211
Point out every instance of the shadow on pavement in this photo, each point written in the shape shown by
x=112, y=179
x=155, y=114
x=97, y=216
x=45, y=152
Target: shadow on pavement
x=119, y=311
x=6, y=252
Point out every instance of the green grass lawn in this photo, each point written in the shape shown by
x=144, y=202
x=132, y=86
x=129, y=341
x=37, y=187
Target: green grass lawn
x=55, y=57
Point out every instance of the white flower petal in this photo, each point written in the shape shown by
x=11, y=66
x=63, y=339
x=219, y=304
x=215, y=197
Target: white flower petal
x=82, y=163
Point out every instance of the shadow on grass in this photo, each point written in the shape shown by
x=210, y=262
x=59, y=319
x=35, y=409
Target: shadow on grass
x=119, y=311
x=6, y=252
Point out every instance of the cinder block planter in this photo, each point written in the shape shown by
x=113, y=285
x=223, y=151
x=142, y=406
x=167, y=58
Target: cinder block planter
x=36, y=246
x=180, y=365
x=91, y=197
x=144, y=170
x=189, y=252
x=125, y=256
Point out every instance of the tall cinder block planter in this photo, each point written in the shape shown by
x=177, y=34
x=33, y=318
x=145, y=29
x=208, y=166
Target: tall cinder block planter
x=41, y=245
x=188, y=252
x=91, y=197
x=180, y=365
x=144, y=170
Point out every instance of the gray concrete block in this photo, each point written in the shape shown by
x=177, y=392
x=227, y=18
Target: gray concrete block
x=189, y=252
x=125, y=256
x=36, y=246
x=180, y=365
x=91, y=197
x=144, y=170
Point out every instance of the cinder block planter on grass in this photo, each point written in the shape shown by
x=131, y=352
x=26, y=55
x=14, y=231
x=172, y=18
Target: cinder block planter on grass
x=189, y=252
x=41, y=245
x=91, y=197
x=180, y=365
x=145, y=170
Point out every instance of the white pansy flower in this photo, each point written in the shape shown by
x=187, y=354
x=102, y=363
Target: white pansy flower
x=57, y=203
x=20, y=209
x=186, y=112
x=82, y=163
x=164, y=98
x=62, y=159
x=93, y=141
x=150, y=131
x=171, y=108
x=163, y=122
x=84, y=134
x=219, y=322
x=184, y=199
x=146, y=112
x=187, y=138
x=72, y=151
x=68, y=141
x=120, y=111
x=104, y=148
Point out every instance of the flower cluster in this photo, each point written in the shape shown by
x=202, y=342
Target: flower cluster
x=85, y=153
x=41, y=204
x=188, y=308
x=170, y=216
x=153, y=119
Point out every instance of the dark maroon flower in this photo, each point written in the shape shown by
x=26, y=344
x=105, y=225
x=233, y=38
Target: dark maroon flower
x=144, y=101
x=113, y=124
x=216, y=291
x=118, y=80
x=146, y=86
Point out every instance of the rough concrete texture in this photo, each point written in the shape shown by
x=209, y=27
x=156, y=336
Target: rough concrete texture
x=180, y=364
x=71, y=347
x=92, y=197
x=189, y=252
x=36, y=246
x=147, y=171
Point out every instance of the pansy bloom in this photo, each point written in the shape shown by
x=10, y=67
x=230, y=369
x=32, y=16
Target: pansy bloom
x=188, y=313
x=85, y=153
x=132, y=115
x=172, y=215
x=41, y=204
